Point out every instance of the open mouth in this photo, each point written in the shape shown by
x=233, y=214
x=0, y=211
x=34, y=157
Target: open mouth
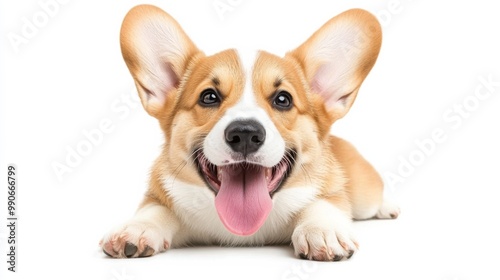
x=244, y=190
x=274, y=176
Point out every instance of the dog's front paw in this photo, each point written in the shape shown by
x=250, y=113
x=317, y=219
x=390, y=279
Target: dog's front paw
x=315, y=242
x=134, y=239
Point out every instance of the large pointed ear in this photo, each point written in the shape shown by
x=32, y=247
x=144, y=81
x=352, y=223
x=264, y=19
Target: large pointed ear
x=157, y=53
x=337, y=58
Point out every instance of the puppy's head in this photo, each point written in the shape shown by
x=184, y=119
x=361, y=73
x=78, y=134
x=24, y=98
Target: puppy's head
x=247, y=124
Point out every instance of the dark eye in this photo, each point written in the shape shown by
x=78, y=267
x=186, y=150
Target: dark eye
x=209, y=98
x=282, y=101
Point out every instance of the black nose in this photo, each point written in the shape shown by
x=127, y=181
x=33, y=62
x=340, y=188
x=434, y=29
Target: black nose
x=245, y=137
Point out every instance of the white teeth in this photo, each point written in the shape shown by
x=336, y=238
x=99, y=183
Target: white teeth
x=219, y=174
x=268, y=174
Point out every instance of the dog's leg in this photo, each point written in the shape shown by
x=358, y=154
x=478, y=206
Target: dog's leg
x=365, y=186
x=323, y=233
x=149, y=232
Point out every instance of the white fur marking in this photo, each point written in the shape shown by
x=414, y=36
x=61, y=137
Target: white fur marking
x=248, y=59
x=195, y=205
x=215, y=147
x=323, y=232
x=388, y=210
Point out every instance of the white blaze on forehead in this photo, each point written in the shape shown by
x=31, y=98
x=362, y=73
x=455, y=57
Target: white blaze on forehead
x=215, y=147
x=247, y=59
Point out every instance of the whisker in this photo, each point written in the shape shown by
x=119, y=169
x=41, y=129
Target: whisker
x=291, y=159
x=185, y=161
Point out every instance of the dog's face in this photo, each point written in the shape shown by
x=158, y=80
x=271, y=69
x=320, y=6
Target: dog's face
x=247, y=124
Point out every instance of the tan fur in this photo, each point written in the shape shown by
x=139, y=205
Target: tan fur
x=364, y=186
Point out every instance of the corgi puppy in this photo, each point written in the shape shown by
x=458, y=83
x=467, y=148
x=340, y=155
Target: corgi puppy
x=248, y=158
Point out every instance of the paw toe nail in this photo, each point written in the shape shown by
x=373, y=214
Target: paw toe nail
x=148, y=252
x=303, y=256
x=337, y=258
x=107, y=254
x=351, y=252
x=130, y=250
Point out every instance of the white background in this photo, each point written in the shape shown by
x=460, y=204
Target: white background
x=69, y=76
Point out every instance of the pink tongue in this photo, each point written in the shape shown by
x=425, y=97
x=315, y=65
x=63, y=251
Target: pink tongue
x=243, y=201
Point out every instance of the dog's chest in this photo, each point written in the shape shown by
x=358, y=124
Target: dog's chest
x=195, y=206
